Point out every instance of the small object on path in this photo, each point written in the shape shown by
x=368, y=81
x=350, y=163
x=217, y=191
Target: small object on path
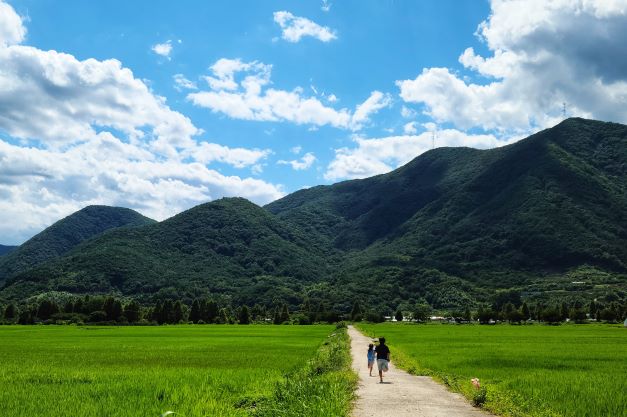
x=403, y=395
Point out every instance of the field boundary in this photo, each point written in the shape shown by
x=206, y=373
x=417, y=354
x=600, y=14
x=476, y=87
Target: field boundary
x=324, y=387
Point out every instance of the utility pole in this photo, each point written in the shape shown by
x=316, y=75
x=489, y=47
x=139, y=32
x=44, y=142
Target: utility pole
x=564, y=110
x=433, y=139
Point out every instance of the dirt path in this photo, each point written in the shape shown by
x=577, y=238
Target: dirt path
x=401, y=394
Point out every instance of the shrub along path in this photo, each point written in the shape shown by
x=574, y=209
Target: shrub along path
x=401, y=394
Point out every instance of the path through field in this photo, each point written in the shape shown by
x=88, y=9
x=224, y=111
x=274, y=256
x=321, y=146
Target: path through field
x=401, y=394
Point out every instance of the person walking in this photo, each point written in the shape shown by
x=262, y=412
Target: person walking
x=371, y=357
x=383, y=358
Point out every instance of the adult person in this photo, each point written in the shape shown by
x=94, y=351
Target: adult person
x=383, y=357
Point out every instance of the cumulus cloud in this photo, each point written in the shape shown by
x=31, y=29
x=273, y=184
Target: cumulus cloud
x=180, y=83
x=300, y=164
x=12, y=31
x=373, y=156
x=39, y=186
x=55, y=97
x=373, y=104
x=407, y=113
x=294, y=28
x=542, y=54
x=251, y=99
x=163, y=49
x=74, y=133
x=207, y=153
x=410, y=128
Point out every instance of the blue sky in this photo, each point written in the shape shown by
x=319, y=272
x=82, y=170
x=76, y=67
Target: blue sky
x=160, y=106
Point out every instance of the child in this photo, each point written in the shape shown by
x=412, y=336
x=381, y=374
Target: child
x=371, y=355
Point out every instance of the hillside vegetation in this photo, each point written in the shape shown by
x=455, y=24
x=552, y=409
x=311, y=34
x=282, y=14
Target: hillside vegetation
x=6, y=249
x=545, y=217
x=65, y=234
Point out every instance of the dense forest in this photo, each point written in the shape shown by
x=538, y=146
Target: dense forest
x=451, y=231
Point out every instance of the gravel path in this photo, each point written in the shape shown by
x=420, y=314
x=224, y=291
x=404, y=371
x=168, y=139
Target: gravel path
x=401, y=394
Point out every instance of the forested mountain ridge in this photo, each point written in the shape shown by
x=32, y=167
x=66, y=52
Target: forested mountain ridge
x=4, y=249
x=65, y=234
x=225, y=246
x=450, y=227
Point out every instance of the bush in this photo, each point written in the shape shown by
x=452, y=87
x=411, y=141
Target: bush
x=97, y=317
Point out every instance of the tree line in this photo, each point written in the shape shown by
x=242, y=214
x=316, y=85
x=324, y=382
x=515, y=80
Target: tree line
x=512, y=311
x=113, y=310
x=507, y=306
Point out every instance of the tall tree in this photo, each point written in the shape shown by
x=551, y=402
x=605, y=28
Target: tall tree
x=10, y=313
x=166, y=312
x=398, y=315
x=211, y=312
x=422, y=312
x=178, y=314
x=244, y=315
x=285, y=314
x=195, y=312
x=46, y=309
x=524, y=310
x=356, y=312
x=131, y=311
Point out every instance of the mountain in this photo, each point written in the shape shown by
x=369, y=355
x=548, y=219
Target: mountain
x=227, y=246
x=545, y=216
x=65, y=234
x=550, y=201
x=6, y=249
x=457, y=221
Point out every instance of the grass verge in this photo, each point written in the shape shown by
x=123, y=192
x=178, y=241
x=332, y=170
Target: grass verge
x=323, y=388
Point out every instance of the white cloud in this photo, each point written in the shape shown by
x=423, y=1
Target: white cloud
x=12, y=31
x=207, y=153
x=542, y=54
x=300, y=164
x=163, y=49
x=39, y=186
x=408, y=113
x=294, y=28
x=332, y=98
x=326, y=6
x=54, y=97
x=296, y=150
x=75, y=133
x=251, y=99
x=410, y=128
x=373, y=104
x=380, y=155
x=180, y=82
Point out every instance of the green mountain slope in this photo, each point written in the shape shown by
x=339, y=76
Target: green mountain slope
x=226, y=246
x=6, y=249
x=456, y=221
x=65, y=234
x=451, y=227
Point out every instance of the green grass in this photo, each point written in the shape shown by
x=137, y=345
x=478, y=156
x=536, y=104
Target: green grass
x=539, y=371
x=323, y=388
x=146, y=371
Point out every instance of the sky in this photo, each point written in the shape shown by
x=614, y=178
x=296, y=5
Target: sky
x=159, y=106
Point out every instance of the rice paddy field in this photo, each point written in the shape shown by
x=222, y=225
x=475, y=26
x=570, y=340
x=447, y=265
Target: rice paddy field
x=216, y=370
x=532, y=370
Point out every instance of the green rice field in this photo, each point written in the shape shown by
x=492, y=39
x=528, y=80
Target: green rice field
x=532, y=370
x=216, y=370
